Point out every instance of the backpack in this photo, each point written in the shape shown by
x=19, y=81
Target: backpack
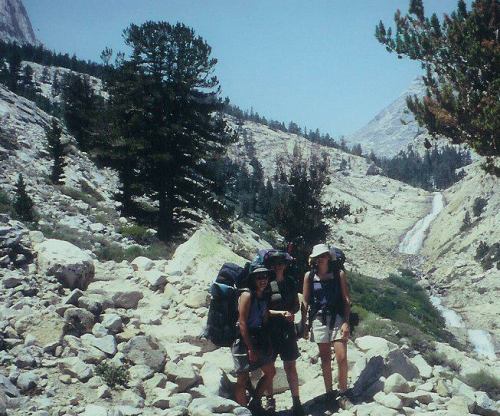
x=223, y=310
x=335, y=266
x=264, y=255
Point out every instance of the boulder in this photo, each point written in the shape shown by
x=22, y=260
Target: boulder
x=485, y=406
x=78, y=321
x=3, y=403
x=181, y=374
x=145, y=350
x=27, y=381
x=374, y=409
x=457, y=406
x=106, y=344
x=47, y=327
x=73, y=267
x=375, y=345
x=389, y=400
x=197, y=299
x=424, y=369
x=142, y=263
x=398, y=362
x=396, y=383
x=112, y=322
x=154, y=278
x=75, y=367
x=215, y=380
x=7, y=387
x=207, y=406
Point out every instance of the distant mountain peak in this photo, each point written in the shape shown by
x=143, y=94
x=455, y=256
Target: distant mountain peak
x=15, y=25
x=393, y=128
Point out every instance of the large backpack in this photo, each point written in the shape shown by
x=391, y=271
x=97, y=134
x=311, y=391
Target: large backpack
x=223, y=310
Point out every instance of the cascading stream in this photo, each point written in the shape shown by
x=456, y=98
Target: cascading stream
x=411, y=244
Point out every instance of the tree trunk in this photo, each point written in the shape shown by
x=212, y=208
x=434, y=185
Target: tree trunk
x=165, y=217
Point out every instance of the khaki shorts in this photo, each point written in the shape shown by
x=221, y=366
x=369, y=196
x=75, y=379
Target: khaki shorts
x=321, y=333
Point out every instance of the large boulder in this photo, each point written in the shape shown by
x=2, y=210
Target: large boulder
x=145, y=350
x=46, y=328
x=73, y=267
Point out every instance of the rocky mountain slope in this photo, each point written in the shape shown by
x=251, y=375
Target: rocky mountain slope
x=146, y=316
x=15, y=25
x=393, y=128
x=451, y=246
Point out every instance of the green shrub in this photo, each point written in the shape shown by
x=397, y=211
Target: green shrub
x=435, y=358
x=115, y=252
x=491, y=257
x=138, y=233
x=112, y=374
x=481, y=250
x=5, y=203
x=467, y=223
x=399, y=299
x=484, y=381
x=79, y=195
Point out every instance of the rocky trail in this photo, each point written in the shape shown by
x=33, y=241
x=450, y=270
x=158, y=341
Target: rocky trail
x=63, y=314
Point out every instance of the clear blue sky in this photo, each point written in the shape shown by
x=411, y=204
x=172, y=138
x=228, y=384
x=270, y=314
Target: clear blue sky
x=314, y=62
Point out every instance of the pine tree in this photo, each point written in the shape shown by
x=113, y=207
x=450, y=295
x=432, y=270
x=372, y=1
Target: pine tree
x=23, y=204
x=14, y=61
x=26, y=81
x=460, y=56
x=56, y=149
x=173, y=131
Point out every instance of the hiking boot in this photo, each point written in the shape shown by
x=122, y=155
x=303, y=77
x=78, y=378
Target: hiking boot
x=256, y=408
x=298, y=410
x=344, y=401
x=270, y=405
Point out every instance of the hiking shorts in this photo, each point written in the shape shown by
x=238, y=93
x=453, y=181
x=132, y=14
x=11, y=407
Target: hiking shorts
x=322, y=333
x=239, y=351
x=284, y=344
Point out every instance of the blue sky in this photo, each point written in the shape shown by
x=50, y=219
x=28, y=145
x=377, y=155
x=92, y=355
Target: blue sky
x=314, y=62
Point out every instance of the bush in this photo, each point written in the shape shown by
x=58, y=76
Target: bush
x=79, y=195
x=484, y=381
x=116, y=252
x=491, y=257
x=5, y=203
x=467, y=223
x=481, y=250
x=113, y=375
x=478, y=206
x=138, y=233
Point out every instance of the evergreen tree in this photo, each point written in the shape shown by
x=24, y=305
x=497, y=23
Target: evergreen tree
x=460, y=56
x=81, y=109
x=14, y=76
x=26, y=80
x=56, y=149
x=180, y=131
x=23, y=204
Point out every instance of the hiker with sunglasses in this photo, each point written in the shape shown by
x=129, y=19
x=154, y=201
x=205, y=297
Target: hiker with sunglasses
x=284, y=304
x=252, y=349
x=326, y=297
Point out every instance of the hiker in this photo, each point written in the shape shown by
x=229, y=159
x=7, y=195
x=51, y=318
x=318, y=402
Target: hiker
x=283, y=305
x=252, y=349
x=326, y=297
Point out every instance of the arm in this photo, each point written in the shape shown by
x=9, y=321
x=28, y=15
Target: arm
x=243, y=311
x=347, y=303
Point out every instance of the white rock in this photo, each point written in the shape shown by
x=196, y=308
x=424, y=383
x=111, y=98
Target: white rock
x=69, y=264
x=145, y=350
x=94, y=410
x=207, y=406
x=155, y=278
x=458, y=406
x=75, y=367
x=197, y=299
x=215, y=380
x=396, y=383
x=181, y=374
x=142, y=263
x=374, y=409
x=112, y=322
x=375, y=345
x=27, y=381
x=389, y=400
x=106, y=344
x=424, y=369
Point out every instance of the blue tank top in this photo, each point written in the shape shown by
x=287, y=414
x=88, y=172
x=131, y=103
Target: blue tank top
x=258, y=310
x=326, y=295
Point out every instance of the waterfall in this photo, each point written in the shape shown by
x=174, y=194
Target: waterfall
x=411, y=244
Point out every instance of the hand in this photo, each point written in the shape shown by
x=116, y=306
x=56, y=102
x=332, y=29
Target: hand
x=252, y=356
x=288, y=316
x=345, y=331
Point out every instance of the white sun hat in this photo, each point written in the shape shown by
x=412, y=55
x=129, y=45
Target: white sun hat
x=318, y=250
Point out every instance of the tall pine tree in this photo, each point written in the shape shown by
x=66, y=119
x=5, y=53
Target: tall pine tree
x=56, y=149
x=23, y=204
x=172, y=128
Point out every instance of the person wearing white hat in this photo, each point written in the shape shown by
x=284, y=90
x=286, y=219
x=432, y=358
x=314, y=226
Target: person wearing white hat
x=326, y=297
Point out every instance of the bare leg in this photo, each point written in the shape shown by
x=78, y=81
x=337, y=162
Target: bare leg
x=240, y=387
x=266, y=381
x=292, y=377
x=341, y=357
x=325, y=354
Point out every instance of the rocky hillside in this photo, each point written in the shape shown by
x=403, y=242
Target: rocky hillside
x=15, y=25
x=83, y=337
x=470, y=283
x=386, y=208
